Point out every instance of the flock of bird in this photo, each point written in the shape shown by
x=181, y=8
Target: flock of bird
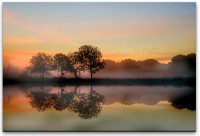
x=141, y=49
x=153, y=114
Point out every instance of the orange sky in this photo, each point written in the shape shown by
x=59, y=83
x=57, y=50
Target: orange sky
x=128, y=30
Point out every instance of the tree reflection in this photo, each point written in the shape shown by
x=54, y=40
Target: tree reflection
x=63, y=99
x=187, y=101
x=41, y=100
x=87, y=105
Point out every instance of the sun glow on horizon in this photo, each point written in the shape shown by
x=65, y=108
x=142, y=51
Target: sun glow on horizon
x=120, y=31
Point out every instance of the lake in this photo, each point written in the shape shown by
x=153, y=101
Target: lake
x=99, y=108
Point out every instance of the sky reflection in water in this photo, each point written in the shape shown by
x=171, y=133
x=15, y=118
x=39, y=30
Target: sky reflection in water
x=99, y=108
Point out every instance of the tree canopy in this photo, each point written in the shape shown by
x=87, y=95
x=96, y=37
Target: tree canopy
x=185, y=60
x=61, y=63
x=91, y=59
x=40, y=63
x=75, y=65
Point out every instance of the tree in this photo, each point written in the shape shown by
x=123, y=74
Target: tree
x=187, y=62
x=91, y=59
x=61, y=63
x=40, y=63
x=129, y=64
x=150, y=63
x=111, y=65
x=191, y=61
x=75, y=66
x=178, y=58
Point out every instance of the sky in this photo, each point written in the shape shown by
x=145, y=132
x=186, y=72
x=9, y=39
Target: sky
x=137, y=31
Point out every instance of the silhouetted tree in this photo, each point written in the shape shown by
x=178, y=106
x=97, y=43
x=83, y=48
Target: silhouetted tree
x=40, y=63
x=111, y=65
x=41, y=99
x=178, y=58
x=191, y=61
x=75, y=66
x=91, y=59
x=150, y=63
x=129, y=64
x=61, y=63
x=87, y=105
x=187, y=61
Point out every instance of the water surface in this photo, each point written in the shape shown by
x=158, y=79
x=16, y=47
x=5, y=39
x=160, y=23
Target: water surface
x=99, y=108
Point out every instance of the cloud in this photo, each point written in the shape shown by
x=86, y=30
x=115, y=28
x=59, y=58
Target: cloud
x=132, y=28
x=32, y=32
x=15, y=40
x=10, y=17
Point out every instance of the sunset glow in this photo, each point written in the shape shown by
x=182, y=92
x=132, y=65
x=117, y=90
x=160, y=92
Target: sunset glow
x=119, y=30
x=99, y=66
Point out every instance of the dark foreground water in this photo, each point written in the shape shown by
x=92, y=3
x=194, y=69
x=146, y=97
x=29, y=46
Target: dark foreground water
x=99, y=108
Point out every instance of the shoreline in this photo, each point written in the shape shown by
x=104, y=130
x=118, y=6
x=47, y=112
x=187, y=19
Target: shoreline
x=174, y=81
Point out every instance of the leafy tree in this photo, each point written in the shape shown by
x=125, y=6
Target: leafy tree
x=188, y=61
x=178, y=59
x=61, y=63
x=191, y=60
x=150, y=63
x=75, y=66
x=111, y=65
x=129, y=64
x=91, y=59
x=40, y=63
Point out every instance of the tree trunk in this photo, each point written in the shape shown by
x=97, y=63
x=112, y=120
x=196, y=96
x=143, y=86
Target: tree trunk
x=61, y=74
x=75, y=75
x=90, y=75
x=43, y=75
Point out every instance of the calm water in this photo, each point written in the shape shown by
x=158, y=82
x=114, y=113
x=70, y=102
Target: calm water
x=99, y=108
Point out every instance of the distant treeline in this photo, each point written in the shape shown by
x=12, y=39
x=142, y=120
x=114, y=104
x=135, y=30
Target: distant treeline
x=180, y=65
x=175, y=81
x=130, y=64
x=89, y=58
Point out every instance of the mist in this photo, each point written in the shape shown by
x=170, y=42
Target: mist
x=184, y=66
x=142, y=69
